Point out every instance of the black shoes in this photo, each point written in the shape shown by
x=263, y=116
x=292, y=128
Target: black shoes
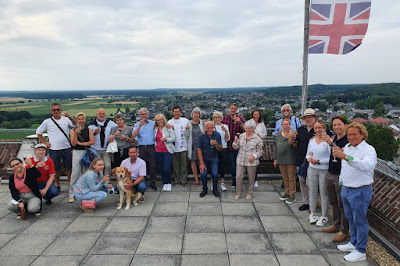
x=216, y=193
x=304, y=207
x=153, y=187
x=48, y=202
x=203, y=193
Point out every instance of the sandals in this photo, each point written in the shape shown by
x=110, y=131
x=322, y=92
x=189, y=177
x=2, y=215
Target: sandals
x=85, y=210
x=196, y=183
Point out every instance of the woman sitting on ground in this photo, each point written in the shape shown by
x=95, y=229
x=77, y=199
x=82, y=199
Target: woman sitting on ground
x=24, y=188
x=92, y=185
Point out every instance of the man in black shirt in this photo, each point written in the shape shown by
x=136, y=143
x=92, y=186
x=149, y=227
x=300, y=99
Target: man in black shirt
x=340, y=223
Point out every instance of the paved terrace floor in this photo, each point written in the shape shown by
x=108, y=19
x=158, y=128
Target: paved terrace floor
x=169, y=228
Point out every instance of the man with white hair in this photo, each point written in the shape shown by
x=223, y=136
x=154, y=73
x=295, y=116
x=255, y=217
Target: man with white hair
x=101, y=127
x=143, y=131
x=286, y=110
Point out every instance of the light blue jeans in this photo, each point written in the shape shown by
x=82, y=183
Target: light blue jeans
x=97, y=196
x=355, y=204
x=315, y=182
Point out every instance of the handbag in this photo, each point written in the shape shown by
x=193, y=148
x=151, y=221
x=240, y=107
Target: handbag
x=112, y=147
x=88, y=204
x=302, y=171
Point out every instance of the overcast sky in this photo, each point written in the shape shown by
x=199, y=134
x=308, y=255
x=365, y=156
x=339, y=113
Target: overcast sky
x=105, y=44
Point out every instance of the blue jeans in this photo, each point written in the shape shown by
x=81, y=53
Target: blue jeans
x=141, y=187
x=51, y=193
x=97, y=196
x=213, y=168
x=232, y=163
x=355, y=204
x=164, y=160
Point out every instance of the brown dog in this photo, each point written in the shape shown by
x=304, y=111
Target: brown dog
x=123, y=178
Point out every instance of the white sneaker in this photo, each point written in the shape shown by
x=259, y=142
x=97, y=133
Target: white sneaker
x=313, y=218
x=164, y=188
x=322, y=221
x=349, y=247
x=355, y=256
x=169, y=187
x=255, y=184
x=223, y=187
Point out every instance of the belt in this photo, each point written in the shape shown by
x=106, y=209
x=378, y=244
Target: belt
x=359, y=187
x=146, y=146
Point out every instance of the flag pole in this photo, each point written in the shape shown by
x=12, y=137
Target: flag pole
x=305, y=56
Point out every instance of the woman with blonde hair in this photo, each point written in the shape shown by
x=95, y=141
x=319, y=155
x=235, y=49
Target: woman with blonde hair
x=165, y=148
x=92, y=185
x=193, y=130
x=81, y=138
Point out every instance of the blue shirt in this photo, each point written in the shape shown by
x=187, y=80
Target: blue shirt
x=294, y=124
x=146, y=133
x=209, y=151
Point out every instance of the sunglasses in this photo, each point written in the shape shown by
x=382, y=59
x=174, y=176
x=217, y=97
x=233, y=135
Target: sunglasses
x=12, y=166
x=56, y=110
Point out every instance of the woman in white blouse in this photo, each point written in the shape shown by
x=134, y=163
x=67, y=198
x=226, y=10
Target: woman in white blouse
x=318, y=154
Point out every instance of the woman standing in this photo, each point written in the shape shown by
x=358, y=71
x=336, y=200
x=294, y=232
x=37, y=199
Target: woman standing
x=260, y=130
x=165, y=148
x=81, y=137
x=318, y=154
x=24, y=188
x=223, y=156
x=285, y=157
x=250, y=150
x=122, y=134
x=92, y=185
x=193, y=130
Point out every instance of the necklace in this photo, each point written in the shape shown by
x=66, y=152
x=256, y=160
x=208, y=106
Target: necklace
x=20, y=177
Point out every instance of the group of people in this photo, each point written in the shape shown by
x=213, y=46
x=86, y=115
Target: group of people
x=338, y=165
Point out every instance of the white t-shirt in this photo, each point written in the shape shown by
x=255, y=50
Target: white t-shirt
x=179, y=129
x=218, y=128
x=57, y=139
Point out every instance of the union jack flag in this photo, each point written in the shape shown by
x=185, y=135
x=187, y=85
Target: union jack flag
x=337, y=26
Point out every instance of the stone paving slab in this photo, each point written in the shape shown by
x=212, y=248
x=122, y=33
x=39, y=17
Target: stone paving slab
x=281, y=224
x=170, y=209
x=160, y=244
x=116, y=244
x=272, y=209
x=199, y=208
x=16, y=260
x=5, y=238
x=209, y=259
x=302, y=260
x=28, y=244
x=88, y=224
x=156, y=260
x=240, y=209
x=253, y=259
x=242, y=224
x=174, y=197
x=166, y=225
x=58, y=260
x=298, y=243
x=127, y=225
x=77, y=243
x=204, y=224
x=204, y=243
x=48, y=225
x=248, y=243
x=97, y=260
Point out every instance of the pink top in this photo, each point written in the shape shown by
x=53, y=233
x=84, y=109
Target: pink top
x=20, y=185
x=160, y=147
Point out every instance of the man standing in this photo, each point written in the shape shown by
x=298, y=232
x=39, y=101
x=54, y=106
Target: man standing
x=101, y=127
x=208, y=146
x=286, y=110
x=356, y=176
x=179, y=160
x=137, y=170
x=304, y=134
x=57, y=128
x=144, y=132
x=45, y=182
x=340, y=223
x=235, y=124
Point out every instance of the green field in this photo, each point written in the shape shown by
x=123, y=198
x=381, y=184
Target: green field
x=89, y=106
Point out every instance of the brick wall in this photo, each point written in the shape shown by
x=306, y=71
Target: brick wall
x=7, y=152
x=384, y=213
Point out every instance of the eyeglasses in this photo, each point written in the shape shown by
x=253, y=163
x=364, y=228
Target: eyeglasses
x=56, y=110
x=143, y=114
x=12, y=166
